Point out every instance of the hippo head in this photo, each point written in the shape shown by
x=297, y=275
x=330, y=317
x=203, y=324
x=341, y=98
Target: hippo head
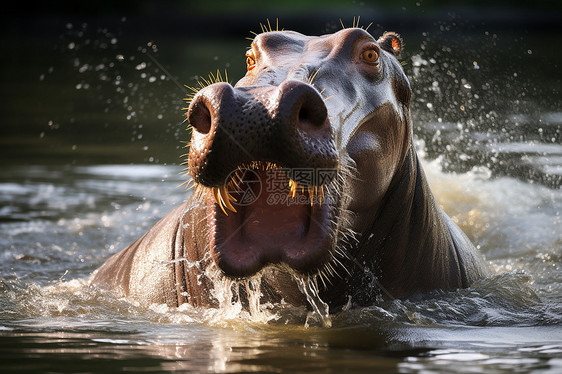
x=297, y=156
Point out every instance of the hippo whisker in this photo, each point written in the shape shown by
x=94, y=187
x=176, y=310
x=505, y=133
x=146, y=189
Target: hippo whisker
x=265, y=28
x=342, y=25
x=355, y=24
x=188, y=183
x=312, y=76
x=268, y=28
x=203, y=82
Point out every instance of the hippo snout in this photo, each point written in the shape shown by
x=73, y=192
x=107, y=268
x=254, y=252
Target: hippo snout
x=287, y=125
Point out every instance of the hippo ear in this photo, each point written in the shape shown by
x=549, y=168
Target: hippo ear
x=391, y=42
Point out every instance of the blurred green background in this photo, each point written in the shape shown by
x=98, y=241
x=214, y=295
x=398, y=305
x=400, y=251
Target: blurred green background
x=103, y=82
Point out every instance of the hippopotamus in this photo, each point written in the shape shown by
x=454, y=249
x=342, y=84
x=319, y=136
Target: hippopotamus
x=304, y=169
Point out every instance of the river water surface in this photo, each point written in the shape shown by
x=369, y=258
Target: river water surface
x=495, y=170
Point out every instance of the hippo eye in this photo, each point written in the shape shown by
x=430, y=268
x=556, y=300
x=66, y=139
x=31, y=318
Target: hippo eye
x=370, y=55
x=250, y=60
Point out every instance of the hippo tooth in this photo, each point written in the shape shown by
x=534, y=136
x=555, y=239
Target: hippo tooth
x=216, y=193
x=234, y=182
x=311, y=194
x=222, y=198
x=226, y=197
x=293, y=186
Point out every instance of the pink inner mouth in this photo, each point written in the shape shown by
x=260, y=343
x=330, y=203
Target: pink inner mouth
x=277, y=227
x=270, y=225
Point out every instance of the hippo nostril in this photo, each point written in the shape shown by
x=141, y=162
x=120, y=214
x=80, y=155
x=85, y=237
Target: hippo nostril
x=199, y=117
x=300, y=106
x=304, y=116
x=311, y=115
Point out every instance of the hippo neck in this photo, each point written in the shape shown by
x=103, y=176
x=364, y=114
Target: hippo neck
x=409, y=247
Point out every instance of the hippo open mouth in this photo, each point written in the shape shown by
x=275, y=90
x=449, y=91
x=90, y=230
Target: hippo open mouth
x=266, y=154
x=263, y=216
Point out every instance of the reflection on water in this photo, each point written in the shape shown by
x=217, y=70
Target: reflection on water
x=158, y=347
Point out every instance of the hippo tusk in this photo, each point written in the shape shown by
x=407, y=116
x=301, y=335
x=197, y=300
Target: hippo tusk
x=223, y=199
x=218, y=198
x=226, y=198
x=293, y=186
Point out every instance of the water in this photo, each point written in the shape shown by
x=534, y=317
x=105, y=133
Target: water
x=59, y=224
x=495, y=167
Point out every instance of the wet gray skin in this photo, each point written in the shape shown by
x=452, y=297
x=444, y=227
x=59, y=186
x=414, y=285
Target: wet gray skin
x=337, y=105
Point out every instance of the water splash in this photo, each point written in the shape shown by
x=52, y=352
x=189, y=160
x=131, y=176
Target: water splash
x=253, y=290
x=321, y=310
x=237, y=300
